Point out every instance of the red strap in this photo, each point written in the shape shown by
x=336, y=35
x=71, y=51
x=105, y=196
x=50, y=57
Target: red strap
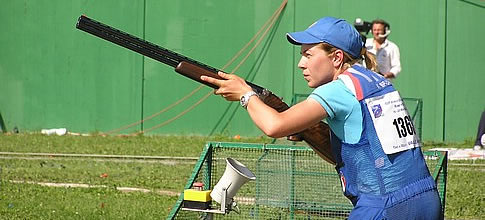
x=356, y=82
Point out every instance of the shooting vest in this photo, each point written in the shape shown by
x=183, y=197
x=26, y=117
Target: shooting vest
x=388, y=155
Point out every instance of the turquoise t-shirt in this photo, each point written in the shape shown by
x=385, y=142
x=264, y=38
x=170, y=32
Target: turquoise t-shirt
x=344, y=111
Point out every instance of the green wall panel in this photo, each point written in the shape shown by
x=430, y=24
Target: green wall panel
x=53, y=75
x=465, y=81
x=56, y=76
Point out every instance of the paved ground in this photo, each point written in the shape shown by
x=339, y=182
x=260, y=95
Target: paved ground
x=463, y=154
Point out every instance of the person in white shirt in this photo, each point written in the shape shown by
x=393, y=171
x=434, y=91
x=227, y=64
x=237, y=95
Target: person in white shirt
x=387, y=52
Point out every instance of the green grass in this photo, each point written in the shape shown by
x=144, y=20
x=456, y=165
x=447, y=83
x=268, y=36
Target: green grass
x=465, y=196
x=113, y=173
x=28, y=201
x=125, y=145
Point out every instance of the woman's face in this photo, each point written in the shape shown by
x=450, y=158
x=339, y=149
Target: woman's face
x=318, y=67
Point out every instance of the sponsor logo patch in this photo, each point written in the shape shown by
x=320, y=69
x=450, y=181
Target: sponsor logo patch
x=377, y=110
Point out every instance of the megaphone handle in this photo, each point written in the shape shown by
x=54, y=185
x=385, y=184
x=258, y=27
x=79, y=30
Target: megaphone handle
x=223, y=199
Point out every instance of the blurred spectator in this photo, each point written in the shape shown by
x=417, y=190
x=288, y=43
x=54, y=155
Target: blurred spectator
x=387, y=52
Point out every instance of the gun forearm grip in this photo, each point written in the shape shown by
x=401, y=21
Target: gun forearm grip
x=194, y=72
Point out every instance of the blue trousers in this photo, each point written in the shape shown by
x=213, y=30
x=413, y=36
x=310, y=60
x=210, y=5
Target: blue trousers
x=418, y=200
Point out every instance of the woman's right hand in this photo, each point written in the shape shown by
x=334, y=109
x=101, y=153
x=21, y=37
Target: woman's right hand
x=231, y=87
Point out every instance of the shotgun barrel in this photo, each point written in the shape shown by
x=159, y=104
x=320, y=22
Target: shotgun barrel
x=148, y=49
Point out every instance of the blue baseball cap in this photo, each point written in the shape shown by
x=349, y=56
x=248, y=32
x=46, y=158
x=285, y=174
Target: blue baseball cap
x=334, y=31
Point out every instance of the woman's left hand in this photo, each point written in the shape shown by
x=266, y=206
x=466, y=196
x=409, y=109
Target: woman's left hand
x=231, y=87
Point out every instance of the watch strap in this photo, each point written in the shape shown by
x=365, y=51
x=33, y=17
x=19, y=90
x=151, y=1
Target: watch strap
x=245, y=98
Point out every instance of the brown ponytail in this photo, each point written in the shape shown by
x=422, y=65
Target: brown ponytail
x=370, y=61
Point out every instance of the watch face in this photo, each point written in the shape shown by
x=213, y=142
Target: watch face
x=245, y=98
x=243, y=101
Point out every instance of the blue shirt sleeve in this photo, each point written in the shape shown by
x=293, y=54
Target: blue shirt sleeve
x=343, y=109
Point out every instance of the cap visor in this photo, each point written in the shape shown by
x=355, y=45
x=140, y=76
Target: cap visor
x=302, y=37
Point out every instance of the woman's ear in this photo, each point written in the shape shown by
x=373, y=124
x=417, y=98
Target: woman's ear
x=338, y=58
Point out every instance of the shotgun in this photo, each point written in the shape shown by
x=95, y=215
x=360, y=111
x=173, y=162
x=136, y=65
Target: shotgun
x=317, y=136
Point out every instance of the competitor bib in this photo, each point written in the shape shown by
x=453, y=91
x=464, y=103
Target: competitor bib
x=394, y=126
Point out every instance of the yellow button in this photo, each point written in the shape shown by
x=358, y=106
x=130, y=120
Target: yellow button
x=196, y=195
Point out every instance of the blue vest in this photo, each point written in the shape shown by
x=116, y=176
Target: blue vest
x=363, y=167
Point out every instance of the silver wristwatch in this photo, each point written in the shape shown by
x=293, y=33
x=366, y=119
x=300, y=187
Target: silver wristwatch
x=245, y=98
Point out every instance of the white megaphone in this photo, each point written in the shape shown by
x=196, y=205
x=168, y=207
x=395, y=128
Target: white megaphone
x=235, y=175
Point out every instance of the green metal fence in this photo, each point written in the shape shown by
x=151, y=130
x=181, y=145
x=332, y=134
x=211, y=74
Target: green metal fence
x=415, y=109
x=292, y=182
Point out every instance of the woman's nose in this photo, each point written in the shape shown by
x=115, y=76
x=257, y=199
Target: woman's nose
x=302, y=62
